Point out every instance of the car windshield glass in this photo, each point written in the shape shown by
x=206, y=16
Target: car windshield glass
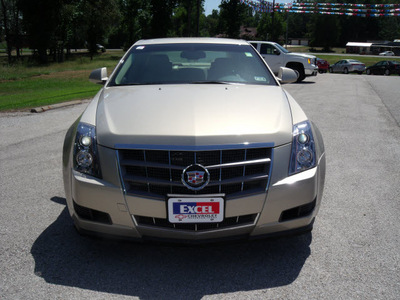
x=282, y=49
x=194, y=63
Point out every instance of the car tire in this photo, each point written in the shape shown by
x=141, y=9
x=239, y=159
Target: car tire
x=346, y=71
x=368, y=72
x=330, y=70
x=300, y=70
x=387, y=72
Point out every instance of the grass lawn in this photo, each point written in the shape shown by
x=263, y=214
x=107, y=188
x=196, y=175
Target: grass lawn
x=25, y=85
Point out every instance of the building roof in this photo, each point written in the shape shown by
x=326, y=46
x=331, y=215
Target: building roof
x=357, y=44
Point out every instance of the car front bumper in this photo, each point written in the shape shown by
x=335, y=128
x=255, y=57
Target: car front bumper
x=102, y=207
x=311, y=71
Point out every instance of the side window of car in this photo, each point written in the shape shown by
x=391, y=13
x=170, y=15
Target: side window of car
x=254, y=45
x=267, y=49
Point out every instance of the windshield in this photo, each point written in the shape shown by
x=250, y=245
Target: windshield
x=284, y=50
x=192, y=63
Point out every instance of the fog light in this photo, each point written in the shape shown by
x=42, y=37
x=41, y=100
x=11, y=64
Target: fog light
x=84, y=159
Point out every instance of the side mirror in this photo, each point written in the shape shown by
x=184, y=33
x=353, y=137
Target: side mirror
x=277, y=52
x=286, y=75
x=99, y=76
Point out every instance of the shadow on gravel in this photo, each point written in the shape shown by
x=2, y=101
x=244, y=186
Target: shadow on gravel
x=304, y=82
x=164, y=271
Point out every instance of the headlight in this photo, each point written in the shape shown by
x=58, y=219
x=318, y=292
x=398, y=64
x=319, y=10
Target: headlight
x=303, y=148
x=86, y=159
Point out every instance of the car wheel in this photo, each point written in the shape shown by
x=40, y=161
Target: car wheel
x=387, y=72
x=346, y=71
x=300, y=70
x=368, y=72
x=330, y=70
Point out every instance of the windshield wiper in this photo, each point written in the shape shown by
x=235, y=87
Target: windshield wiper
x=211, y=82
x=138, y=83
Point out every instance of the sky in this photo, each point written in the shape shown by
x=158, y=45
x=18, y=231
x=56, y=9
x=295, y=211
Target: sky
x=209, y=5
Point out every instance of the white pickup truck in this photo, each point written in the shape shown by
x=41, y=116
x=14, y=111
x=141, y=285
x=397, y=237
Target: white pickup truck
x=276, y=56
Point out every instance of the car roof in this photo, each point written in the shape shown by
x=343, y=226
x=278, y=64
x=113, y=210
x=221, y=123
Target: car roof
x=191, y=41
x=262, y=42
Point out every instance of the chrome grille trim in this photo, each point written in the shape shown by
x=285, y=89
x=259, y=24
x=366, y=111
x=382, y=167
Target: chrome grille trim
x=235, y=171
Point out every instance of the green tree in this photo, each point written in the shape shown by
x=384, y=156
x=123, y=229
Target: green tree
x=10, y=16
x=231, y=16
x=188, y=18
x=134, y=23
x=389, y=28
x=97, y=18
x=41, y=18
x=161, y=21
x=271, y=31
x=210, y=24
x=324, y=31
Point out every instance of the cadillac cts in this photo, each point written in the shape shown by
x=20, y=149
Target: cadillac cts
x=193, y=140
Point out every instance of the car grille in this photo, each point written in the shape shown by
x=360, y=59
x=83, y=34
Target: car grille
x=157, y=173
x=228, y=222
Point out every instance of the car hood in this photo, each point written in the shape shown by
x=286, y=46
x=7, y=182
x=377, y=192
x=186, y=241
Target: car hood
x=301, y=54
x=193, y=115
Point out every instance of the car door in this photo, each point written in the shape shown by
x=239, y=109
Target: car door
x=345, y=64
x=375, y=68
x=338, y=66
x=381, y=67
x=272, y=56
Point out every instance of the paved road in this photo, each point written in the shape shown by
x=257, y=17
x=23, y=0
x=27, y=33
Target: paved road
x=353, y=252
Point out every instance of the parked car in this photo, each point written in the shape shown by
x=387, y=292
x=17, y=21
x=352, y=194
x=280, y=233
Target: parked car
x=387, y=53
x=323, y=65
x=193, y=139
x=384, y=67
x=347, y=66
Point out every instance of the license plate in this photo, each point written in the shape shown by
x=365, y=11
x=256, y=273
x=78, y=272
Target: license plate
x=196, y=210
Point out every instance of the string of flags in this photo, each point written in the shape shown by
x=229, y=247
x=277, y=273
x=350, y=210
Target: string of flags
x=343, y=9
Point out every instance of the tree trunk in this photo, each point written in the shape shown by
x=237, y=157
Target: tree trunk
x=7, y=30
x=189, y=16
x=198, y=18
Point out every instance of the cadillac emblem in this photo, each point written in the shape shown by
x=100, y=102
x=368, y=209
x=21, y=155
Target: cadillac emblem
x=195, y=177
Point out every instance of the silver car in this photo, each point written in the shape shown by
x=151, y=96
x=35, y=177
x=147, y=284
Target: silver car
x=387, y=53
x=347, y=66
x=193, y=140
